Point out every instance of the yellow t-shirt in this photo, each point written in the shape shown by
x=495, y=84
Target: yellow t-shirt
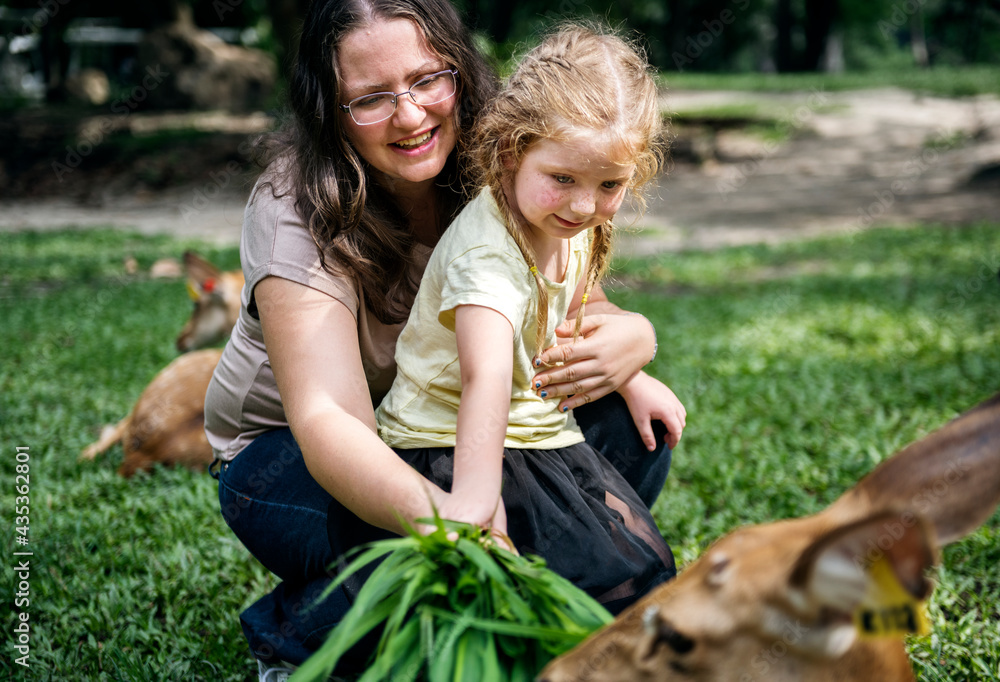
x=476, y=262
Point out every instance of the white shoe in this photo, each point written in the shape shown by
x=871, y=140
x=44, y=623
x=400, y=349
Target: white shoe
x=279, y=672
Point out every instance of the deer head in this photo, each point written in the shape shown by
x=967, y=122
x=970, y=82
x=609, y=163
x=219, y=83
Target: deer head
x=216, y=297
x=816, y=599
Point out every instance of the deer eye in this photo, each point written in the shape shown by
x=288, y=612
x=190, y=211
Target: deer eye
x=664, y=633
x=680, y=644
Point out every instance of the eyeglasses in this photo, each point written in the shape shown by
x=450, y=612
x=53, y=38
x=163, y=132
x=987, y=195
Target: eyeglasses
x=378, y=106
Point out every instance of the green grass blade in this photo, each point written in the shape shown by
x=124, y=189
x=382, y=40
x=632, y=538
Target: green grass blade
x=445, y=659
x=400, y=660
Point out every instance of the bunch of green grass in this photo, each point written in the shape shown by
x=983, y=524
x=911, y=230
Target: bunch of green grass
x=457, y=608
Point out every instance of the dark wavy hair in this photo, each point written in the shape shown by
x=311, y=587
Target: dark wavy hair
x=355, y=223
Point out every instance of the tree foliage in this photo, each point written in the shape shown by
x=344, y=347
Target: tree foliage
x=769, y=35
x=681, y=35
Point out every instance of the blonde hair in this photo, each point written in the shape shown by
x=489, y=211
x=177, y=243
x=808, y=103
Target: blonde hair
x=580, y=80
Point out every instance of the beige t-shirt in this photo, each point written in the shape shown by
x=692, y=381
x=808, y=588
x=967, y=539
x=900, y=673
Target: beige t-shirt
x=476, y=262
x=242, y=401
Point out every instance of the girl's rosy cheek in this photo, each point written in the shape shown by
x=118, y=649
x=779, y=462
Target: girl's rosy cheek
x=607, y=207
x=550, y=197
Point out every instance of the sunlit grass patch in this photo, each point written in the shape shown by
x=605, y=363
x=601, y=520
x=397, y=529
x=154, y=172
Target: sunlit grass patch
x=804, y=365
x=801, y=365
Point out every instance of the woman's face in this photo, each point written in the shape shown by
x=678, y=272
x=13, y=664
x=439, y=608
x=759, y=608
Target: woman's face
x=390, y=55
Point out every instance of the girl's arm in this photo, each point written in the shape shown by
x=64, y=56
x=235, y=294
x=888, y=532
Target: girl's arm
x=312, y=345
x=485, y=356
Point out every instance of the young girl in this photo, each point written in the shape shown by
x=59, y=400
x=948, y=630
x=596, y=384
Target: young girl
x=577, y=125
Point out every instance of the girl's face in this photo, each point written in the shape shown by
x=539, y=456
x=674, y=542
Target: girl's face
x=390, y=55
x=564, y=187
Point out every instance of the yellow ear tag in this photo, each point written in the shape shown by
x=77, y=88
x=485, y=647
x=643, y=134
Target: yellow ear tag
x=888, y=610
x=192, y=292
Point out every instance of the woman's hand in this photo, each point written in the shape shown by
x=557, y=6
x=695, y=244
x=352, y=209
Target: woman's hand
x=609, y=352
x=649, y=399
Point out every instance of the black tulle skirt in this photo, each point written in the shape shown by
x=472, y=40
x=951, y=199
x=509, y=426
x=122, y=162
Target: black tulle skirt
x=568, y=505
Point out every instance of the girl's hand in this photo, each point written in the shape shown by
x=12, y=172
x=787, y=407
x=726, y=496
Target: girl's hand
x=469, y=509
x=649, y=399
x=478, y=512
x=498, y=531
x=610, y=350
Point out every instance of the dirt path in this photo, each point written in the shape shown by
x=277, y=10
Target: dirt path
x=847, y=161
x=853, y=160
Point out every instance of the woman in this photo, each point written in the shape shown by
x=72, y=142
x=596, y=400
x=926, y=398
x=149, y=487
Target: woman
x=355, y=193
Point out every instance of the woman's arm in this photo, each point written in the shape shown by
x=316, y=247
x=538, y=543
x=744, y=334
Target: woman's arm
x=312, y=345
x=612, y=349
x=485, y=356
x=613, y=346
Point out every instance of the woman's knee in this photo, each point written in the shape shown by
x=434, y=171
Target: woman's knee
x=276, y=509
x=271, y=469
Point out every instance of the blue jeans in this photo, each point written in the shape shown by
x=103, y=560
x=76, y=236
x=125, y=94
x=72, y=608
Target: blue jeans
x=280, y=513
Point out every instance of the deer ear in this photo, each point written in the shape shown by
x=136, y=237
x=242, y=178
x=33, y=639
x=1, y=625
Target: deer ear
x=951, y=477
x=199, y=269
x=866, y=577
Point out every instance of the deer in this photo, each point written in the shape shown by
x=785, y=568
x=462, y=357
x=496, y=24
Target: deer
x=167, y=423
x=822, y=598
x=216, y=298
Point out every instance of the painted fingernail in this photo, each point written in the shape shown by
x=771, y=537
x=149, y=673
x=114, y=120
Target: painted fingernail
x=545, y=394
x=565, y=408
x=538, y=384
x=538, y=362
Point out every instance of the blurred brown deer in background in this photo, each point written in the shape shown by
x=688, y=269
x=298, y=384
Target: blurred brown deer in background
x=825, y=598
x=167, y=423
x=216, y=297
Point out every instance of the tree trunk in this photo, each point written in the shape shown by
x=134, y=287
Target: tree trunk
x=918, y=39
x=286, y=20
x=820, y=17
x=976, y=9
x=500, y=20
x=679, y=19
x=833, y=58
x=55, y=58
x=783, y=22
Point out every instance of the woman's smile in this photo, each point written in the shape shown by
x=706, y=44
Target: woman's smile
x=415, y=142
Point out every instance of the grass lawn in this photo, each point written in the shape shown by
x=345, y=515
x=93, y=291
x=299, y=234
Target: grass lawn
x=801, y=365
x=940, y=81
